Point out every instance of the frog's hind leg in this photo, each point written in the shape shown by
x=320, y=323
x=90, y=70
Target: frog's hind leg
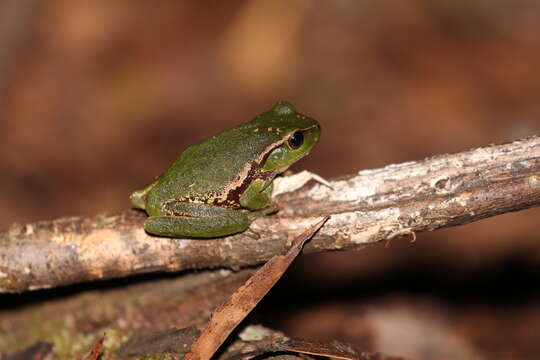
x=138, y=197
x=198, y=221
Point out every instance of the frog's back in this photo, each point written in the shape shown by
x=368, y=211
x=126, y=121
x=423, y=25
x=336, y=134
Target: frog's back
x=207, y=167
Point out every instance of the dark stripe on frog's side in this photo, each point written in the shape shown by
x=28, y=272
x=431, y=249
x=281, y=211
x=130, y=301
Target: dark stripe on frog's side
x=232, y=199
x=233, y=196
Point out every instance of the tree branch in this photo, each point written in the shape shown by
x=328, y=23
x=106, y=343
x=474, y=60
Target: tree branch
x=374, y=205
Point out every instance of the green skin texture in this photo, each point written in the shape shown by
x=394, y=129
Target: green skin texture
x=220, y=185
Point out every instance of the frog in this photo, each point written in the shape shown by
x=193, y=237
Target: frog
x=219, y=186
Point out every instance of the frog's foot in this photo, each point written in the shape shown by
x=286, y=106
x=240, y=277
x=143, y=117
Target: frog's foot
x=270, y=209
x=296, y=181
x=253, y=215
x=252, y=234
x=138, y=197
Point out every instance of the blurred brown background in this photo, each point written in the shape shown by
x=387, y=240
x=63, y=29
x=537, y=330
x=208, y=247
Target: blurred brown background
x=96, y=98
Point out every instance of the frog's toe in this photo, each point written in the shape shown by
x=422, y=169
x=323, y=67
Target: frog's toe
x=252, y=234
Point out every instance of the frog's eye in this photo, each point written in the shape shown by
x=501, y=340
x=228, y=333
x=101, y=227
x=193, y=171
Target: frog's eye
x=296, y=140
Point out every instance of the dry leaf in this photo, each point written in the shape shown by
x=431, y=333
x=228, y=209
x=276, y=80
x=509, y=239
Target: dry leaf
x=226, y=317
x=96, y=350
x=333, y=349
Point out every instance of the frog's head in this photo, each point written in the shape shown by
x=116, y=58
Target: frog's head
x=297, y=135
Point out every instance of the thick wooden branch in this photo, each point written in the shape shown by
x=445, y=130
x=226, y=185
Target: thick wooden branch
x=374, y=205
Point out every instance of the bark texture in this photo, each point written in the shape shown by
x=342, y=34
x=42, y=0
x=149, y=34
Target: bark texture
x=365, y=208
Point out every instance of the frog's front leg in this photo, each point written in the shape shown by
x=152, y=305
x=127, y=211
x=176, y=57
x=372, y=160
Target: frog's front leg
x=257, y=195
x=198, y=221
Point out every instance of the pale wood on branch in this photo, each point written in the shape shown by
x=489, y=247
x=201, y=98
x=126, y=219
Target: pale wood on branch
x=371, y=206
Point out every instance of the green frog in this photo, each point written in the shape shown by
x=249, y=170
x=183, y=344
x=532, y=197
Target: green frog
x=220, y=185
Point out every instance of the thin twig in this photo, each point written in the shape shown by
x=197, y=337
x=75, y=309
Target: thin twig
x=374, y=205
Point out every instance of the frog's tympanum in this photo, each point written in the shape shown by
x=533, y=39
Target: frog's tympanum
x=220, y=185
